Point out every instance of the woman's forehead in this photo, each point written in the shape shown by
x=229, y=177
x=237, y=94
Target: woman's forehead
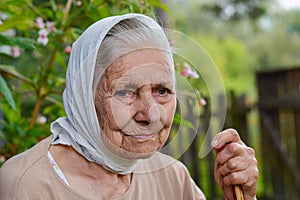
x=139, y=76
x=143, y=66
x=140, y=57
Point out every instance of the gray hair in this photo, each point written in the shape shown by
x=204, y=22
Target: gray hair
x=126, y=36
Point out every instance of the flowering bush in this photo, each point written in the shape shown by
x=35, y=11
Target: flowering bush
x=193, y=77
x=35, y=42
x=188, y=72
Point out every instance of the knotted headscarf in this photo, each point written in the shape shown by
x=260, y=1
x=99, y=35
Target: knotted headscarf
x=80, y=127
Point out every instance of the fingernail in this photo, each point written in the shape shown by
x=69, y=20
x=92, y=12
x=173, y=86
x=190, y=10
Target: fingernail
x=214, y=144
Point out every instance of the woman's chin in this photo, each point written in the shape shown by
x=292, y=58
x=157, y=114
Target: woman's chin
x=135, y=156
x=134, y=148
x=139, y=148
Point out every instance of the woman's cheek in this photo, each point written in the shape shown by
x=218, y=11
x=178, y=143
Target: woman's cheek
x=112, y=140
x=119, y=115
x=109, y=126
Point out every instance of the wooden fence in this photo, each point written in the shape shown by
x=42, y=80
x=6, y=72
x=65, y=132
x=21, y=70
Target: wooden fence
x=278, y=110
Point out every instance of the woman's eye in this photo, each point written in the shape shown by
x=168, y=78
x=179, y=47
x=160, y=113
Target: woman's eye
x=124, y=93
x=162, y=91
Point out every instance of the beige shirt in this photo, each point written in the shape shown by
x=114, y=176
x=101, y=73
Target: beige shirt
x=30, y=175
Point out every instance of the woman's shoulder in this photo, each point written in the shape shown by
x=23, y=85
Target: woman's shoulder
x=28, y=157
x=15, y=170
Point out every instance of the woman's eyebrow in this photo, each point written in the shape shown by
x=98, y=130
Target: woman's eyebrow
x=136, y=86
x=127, y=86
x=164, y=84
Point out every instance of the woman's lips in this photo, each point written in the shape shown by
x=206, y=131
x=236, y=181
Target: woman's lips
x=143, y=136
x=141, y=131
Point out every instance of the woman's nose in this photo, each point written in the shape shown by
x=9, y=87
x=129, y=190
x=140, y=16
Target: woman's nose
x=147, y=110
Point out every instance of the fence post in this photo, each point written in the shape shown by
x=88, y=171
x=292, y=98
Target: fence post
x=238, y=111
x=279, y=93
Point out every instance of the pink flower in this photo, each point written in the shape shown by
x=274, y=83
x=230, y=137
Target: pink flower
x=186, y=66
x=2, y=159
x=67, y=49
x=15, y=51
x=188, y=72
x=41, y=119
x=3, y=16
x=39, y=22
x=202, y=102
x=194, y=75
x=43, y=39
x=1, y=22
x=50, y=26
x=78, y=3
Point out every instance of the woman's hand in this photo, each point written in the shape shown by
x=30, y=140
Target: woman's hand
x=235, y=165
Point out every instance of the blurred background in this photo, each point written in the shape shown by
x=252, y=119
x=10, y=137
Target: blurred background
x=255, y=45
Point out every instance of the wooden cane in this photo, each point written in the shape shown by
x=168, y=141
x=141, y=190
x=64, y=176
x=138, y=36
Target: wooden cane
x=238, y=192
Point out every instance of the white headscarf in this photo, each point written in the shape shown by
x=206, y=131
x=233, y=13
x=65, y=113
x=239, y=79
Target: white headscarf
x=80, y=128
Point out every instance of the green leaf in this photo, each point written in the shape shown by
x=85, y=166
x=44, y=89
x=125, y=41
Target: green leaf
x=53, y=6
x=178, y=120
x=22, y=42
x=15, y=3
x=7, y=93
x=10, y=70
x=158, y=4
x=11, y=117
x=16, y=22
x=4, y=40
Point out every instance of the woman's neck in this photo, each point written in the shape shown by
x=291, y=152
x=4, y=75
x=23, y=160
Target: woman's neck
x=88, y=178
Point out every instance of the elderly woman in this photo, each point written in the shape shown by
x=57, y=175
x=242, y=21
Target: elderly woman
x=120, y=100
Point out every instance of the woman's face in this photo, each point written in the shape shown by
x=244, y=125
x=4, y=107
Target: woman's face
x=135, y=102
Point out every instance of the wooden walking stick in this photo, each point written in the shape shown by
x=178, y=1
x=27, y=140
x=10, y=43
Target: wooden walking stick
x=238, y=192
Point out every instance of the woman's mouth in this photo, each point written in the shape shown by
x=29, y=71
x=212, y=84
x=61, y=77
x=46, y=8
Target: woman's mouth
x=144, y=136
x=143, y=132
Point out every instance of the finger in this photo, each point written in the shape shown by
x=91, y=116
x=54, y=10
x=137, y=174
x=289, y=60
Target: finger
x=234, y=165
x=227, y=190
x=230, y=151
x=235, y=178
x=225, y=137
x=247, y=178
x=218, y=177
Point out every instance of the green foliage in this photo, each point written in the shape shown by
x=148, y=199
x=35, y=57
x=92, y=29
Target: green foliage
x=5, y=91
x=16, y=134
x=240, y=47
x=178, y=120
x=34, y=66
x=232, y=59
x=278, y=44
x=237, y=9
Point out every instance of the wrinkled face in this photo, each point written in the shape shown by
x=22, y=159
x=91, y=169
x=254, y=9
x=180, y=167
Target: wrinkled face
x=135, y=102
